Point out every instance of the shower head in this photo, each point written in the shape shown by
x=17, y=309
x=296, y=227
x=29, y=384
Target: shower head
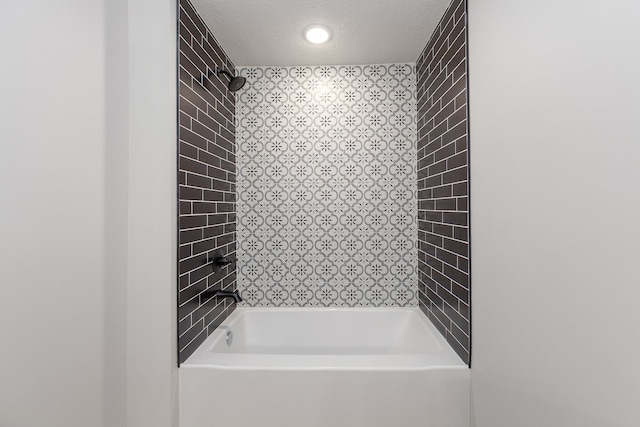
x=235, y=82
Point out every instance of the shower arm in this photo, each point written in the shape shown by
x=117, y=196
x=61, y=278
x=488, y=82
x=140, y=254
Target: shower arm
x=218, y=71
x=235, y=82
x=225, y=72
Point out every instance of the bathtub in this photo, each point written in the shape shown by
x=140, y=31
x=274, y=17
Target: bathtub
x=321, y=367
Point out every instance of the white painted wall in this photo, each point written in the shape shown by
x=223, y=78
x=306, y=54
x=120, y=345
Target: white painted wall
x=87, y=224
x=555, y=175
x=117, y=212
x=51, y=220
x=152, y=380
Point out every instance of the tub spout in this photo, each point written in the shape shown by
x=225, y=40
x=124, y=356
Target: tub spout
x=226, y=294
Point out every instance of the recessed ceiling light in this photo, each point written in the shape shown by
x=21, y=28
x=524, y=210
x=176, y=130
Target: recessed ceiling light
x=317, y=34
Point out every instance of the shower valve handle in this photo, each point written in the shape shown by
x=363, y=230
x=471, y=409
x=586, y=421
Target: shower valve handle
x=222, y=261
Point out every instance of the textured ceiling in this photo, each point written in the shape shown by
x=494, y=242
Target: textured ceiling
x=269, y=32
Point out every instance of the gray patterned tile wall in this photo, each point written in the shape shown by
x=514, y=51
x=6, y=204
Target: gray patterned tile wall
x=206, y=178
x=326, y=186
x=443, y=185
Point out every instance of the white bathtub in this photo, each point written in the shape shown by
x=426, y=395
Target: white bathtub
x=308, y=367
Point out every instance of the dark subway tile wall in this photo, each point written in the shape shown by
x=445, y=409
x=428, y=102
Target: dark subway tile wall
x=443, y=180
x=207, y=182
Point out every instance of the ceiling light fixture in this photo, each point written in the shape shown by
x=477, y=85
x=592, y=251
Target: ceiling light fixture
x=317, y=34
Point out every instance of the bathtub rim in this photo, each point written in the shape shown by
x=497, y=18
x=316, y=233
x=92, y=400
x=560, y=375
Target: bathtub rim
x=446, y=359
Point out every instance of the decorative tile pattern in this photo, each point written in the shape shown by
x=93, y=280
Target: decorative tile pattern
x=443, y=180
x=326, y=184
